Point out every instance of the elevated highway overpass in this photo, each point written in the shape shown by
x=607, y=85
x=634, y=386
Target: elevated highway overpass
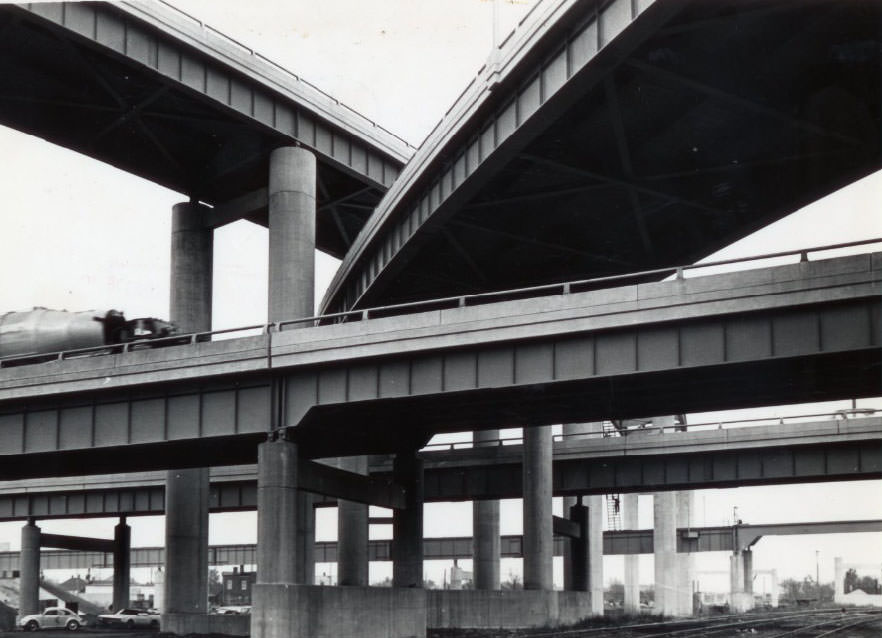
x=812, y=451
x=608, y=137
x=615, y=543
x=783, y=334
x=156, y=92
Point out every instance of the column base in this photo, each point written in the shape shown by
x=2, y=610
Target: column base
x=508, y=609
x=741, y=602
x=205, y=624
x=310, y=611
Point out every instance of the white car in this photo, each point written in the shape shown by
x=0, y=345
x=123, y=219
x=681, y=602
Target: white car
x=52, y=618
x=131, y=618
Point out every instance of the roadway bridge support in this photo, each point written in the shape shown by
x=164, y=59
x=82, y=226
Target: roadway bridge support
x=592, y=581
x=407, y=523
x=630, y=517
x=685, y=560
x=29, y=583
x=187, y=490
x=485, y=520
x=741, y=580
x=352, y=531
x=538, y=524
x=292, y=211
x=122, y=543
x=664, y=538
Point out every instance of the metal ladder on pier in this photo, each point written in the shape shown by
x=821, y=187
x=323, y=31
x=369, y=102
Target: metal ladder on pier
x=613, y=501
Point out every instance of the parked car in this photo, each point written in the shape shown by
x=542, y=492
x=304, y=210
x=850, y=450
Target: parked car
x=52, y=618
x=131, y=618
x=233, y=610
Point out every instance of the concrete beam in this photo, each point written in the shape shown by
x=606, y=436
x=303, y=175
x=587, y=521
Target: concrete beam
x=77, y=543
x=334, y=482
x=566, y=527
x=248, y=205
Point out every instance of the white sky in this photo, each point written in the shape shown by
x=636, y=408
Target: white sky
x=78, y=234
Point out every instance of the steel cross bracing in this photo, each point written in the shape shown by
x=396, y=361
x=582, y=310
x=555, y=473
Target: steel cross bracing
x=151, y=91
x=623, y=136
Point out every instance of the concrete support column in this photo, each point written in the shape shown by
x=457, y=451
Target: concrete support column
x=838, y=579
x=186, y=541
x=630, y=520
x=276, y=512
x=577, y=564
x=741, y=579
x=304, y=558
x=485, y=523
x=664, y=536
x=352, y=531
x=186, y=495
x=122, y=538
x=192, y=256
x=747, y=561
x=292, y=209
x=29, y=569
x=575, y=431
x=538, y=526
x=685, y=562
x=595, y=552
x=291, y=295
x=407, y=524
x=736, y=573
x=775, y=594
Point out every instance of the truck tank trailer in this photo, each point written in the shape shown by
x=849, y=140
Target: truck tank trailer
x=41, y=331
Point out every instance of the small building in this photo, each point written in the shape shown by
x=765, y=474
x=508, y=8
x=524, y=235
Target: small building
x=237, y=587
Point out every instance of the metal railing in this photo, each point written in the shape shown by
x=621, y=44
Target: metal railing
x=443, y=303
x=208, y=29
x=836, y=415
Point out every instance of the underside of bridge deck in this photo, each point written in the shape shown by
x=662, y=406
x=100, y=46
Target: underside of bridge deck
x=717, y=121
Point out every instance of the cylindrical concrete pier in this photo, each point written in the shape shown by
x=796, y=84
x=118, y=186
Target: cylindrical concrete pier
x=407, y=523
x=192, y=254
x=594, y=526
x=630, y=520
x=29, y=569
x=186, y=496
x=277, y=512
x=352, y=531
x=122, y=537
x=664, y=536
x=595, y=552
x=186, y=541
x=538, y=527
x=485, y=521
x=685, y=561
x=292, y=210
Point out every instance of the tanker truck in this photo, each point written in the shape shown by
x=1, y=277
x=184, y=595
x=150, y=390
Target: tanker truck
x=41, y=331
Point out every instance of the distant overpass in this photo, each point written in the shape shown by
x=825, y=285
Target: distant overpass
x=696, y=539
x=765, y=455
x=785, y=334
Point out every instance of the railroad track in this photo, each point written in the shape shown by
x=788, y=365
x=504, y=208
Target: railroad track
x=811, y=624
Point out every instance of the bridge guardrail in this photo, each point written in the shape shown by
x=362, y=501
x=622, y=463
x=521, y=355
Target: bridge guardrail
x=838, y=415
x=443, y=303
